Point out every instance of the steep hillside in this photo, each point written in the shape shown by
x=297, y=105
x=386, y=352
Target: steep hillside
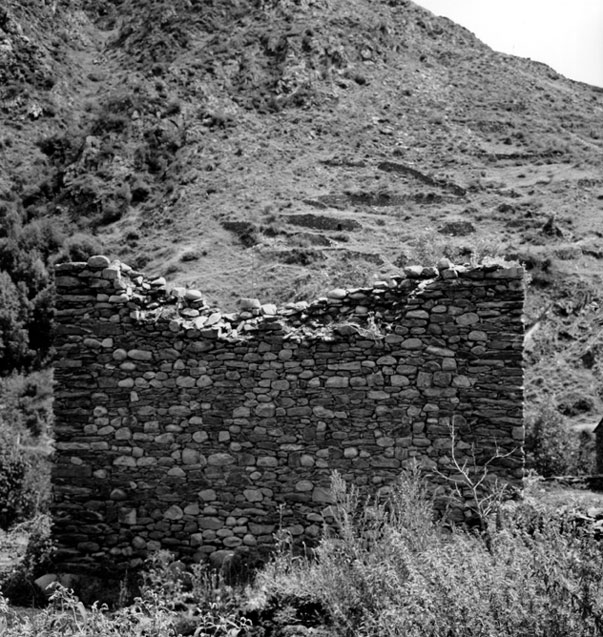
x=276, y=148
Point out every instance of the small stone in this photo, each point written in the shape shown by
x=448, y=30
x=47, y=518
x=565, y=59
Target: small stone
x=190, y=456
x=439, y=351
x=232, y=541
x=337, y=293
x=295, y=529
x=265, y=410
x=448, y=364
x=192, y=509
x=98, y=262
x=127, y=516
x=518, y=433
x=269, y=309
x=213, y=319
x=322, y=412
x=178, y=292
x=193, y=295
x=220, y=459
x=411, y=343
x=111, y=273
x=442, y=379
x=413, y=271
x=200, y=436
x=461, y=381
x=306, y=460
x=323, y=495
x=124, y=461
x=253, y=495
x=304, y=485
x=417, y=314
x=249, y=304
x=174, y=513
x=204, y=381
x=140, y=355
x=424, y=379
x=337, y=381
x=470, y=318
x=119, y=298
x=267, y=461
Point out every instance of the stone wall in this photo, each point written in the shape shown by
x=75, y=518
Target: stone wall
x=182, y=427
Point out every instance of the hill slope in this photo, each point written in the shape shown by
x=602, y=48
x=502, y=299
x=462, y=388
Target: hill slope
x=276, y=148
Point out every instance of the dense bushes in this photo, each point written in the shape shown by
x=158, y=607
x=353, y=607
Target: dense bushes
x=24, y=289
x=171, y=601
x=388, y=569
x=25, y=429
x=538, y=576
x=17, y=500
x=18, y=584
x=553, y=449
x=14, y=337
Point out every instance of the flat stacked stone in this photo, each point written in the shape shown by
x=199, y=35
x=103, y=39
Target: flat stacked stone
x=180, y=426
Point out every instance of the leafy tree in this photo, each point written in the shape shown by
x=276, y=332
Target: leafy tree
x=14, y=336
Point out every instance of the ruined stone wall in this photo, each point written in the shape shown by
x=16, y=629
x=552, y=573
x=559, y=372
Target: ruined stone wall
x=181, y=427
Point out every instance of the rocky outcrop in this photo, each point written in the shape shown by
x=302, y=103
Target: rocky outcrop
x=182, y=427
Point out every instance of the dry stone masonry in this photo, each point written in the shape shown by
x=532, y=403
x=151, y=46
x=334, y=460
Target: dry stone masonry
x=182, y=427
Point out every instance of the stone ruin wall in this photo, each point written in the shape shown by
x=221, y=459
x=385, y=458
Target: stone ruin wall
x=185, y=428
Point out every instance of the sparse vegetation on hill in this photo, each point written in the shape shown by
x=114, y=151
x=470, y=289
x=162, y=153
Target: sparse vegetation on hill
x=276, y=148
x=159, y=129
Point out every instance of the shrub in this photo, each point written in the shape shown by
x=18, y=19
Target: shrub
x=24, y=479
x=18, y=584
x=14, y=337
x=390, y=569
x=25, y=427
x=13, y=468
x=554, y=449
x=79, y=247
x=386, y=568
x=172, y=601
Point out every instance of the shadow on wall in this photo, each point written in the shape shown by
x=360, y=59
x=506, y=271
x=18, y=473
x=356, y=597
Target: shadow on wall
x=201, y=432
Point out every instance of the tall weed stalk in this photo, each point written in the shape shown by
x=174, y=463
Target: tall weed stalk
x=389, y=569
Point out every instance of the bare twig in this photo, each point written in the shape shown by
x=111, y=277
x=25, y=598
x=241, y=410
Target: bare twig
x=486, y=498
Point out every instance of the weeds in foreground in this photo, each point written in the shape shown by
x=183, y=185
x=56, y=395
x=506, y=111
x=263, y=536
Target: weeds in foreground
x=392, y=570
x=386, y=568
x=172, y=601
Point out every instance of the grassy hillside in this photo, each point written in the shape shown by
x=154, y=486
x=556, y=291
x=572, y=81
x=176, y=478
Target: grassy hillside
x=276, y=148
